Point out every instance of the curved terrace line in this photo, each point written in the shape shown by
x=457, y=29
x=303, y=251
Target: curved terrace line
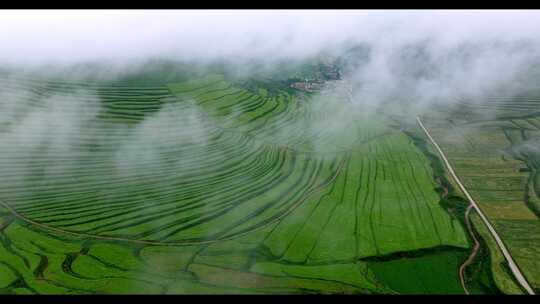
x=173, y=243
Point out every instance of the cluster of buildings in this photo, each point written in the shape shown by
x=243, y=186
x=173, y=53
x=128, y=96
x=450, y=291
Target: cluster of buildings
x=308, y=85
x=327, y=71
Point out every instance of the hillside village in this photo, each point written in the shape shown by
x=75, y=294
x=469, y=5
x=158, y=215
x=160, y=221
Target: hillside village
x=327, y=70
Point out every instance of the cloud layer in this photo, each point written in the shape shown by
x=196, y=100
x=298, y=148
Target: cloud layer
x=67, y=36
x=419, y=56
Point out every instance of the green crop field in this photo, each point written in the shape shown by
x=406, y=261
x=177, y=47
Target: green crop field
x=491, y=145
x=204, y=186
x=269, y=152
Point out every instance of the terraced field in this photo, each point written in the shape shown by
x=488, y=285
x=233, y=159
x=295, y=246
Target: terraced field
x=205, y=187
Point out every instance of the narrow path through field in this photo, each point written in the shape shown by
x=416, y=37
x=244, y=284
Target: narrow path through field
x=513, y=266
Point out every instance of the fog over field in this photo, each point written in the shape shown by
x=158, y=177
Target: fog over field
x=186, y=152
x=427, y=54
x=418, y=57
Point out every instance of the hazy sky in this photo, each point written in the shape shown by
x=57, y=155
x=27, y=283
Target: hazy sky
x=422, y=55
x=77, y=35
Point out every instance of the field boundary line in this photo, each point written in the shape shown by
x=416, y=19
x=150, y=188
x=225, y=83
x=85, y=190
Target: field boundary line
x=513, y=266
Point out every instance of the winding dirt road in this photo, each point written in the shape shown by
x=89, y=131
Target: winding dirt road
x=513, y=266
x=471, y=257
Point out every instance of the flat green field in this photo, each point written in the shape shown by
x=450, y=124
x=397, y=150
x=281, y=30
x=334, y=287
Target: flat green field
x=493, y=147
x=206, y=187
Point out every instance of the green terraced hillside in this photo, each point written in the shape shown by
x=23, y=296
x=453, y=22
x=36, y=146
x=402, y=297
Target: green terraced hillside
x=203, y=186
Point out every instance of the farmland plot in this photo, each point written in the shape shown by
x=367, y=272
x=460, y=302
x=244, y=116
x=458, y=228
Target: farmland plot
x=496, y=157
